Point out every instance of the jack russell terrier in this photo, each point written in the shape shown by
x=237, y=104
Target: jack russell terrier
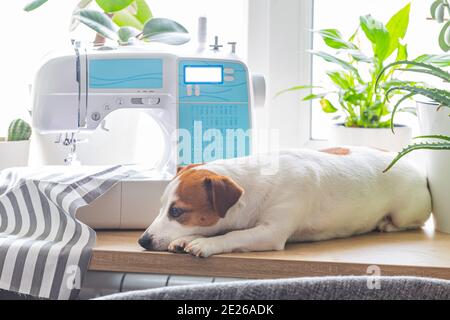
x=229, y=206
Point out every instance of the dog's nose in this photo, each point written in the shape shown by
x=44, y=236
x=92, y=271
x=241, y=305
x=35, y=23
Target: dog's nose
x=146, y=241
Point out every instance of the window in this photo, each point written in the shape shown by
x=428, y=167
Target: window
x=29, y=36
x=344, y=16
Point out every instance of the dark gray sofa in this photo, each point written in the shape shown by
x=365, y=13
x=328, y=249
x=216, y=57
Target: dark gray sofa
x=323, y=288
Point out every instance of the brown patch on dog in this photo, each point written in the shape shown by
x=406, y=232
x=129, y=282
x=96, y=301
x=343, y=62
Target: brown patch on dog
x=337, y=151
x=205, y=197
x=180, y=170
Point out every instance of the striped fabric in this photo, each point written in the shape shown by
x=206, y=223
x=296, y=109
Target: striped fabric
x=44, y=249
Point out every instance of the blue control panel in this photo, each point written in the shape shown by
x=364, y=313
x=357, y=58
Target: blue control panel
x=213, y=110
x=126, y=74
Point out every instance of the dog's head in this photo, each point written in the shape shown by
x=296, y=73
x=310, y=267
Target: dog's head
x=195, y=202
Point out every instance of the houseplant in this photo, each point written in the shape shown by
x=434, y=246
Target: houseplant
x=433, y=117
x=14, y=150
x=439, y=10
x=354, y=96
x=124, y=21
x=435, y=127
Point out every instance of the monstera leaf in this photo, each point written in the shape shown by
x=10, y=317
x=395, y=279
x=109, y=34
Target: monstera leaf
x=165, y=31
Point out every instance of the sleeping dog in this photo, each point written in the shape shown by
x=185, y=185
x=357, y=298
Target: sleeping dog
x=229, y=206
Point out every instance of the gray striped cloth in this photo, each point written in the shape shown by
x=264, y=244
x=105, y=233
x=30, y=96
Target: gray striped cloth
x=44, y=250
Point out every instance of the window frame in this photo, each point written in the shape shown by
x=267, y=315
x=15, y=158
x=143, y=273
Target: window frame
x=270, y=56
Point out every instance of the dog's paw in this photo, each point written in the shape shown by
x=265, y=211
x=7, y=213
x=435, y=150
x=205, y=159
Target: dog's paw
x=202, y=247
x=179, y=245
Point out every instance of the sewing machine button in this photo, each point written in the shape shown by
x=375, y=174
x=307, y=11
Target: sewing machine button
x=228, y=78
x=95, y=116
x=152, y=100
x=197, y=90
x=189, y=90
x=136, y=100
x=107, y=107
x=228, y=71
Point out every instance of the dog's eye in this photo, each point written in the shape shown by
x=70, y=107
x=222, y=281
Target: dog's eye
x=175, y=212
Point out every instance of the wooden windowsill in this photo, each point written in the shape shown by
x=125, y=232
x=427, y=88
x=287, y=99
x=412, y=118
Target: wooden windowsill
x=415, y=253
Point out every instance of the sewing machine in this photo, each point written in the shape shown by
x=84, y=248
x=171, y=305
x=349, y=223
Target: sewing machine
x=190, y=95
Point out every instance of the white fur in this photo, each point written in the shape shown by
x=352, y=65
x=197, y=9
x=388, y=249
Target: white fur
x=312, y=196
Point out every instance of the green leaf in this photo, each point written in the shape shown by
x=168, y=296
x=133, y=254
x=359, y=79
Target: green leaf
x=433, y=8
x=438, y=60
x=126, y=19
x=340, y=79
x=445, y=46
x=353, y=97
x=386, y=85
x=143, y=12
x=397, y=27
x=333, y=39
x=34, y=5
x=438, y=95
x=313, y=96
x=327, y=106
x=99, y=22
x=394, y=110
x=332, y=59
x=134, y=16
x=423, y=68
x=418, y=146
x=81, y=5
x=113, y=5
x=435, y=136
x=126, y=33
x=296, y=88
x=440, y=12
x=377, y=34
x=165, y=31
x=358, y=56
x=402, y=52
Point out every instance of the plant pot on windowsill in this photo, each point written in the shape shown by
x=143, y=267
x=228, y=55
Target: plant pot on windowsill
x=381, y=138
x=434, y=121
x=14, y=151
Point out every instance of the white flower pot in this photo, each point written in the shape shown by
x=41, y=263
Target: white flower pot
x=14, y=154
x=382, y=138
x=437, y=122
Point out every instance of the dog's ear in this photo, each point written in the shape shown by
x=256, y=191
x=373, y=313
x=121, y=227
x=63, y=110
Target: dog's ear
x=180, y=170
x=223, y=193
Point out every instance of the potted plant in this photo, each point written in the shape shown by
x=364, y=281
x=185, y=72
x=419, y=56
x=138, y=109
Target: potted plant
x=14, y=149
x=433, y=117
x=354, y=95
x=124, y=21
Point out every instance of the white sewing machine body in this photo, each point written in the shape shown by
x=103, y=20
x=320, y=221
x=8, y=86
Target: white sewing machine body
x=75, y=91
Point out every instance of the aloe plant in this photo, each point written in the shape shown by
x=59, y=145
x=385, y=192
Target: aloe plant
x=360, y=100
x=123, y=21
x=440, y=96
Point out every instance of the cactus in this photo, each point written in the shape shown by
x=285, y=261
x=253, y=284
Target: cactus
x=19, y=130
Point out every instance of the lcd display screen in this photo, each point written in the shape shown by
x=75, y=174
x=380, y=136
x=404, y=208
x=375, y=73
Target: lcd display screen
x=203, y=74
